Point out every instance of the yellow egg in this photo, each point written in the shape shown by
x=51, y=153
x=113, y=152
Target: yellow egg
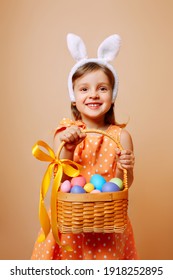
x=89, y=187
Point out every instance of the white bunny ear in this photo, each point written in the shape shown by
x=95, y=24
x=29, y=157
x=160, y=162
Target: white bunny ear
x=76, y=47
x=109, y=48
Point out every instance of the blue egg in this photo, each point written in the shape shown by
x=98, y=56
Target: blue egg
x=77, y=189
x=110, y=187
x=98, y=181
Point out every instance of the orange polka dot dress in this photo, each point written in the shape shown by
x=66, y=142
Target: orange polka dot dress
x=97, y=155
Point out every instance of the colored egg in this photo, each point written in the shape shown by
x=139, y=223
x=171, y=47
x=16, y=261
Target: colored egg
x=118, y=182
x=98, y=181
x=65, y=186
x=110, y=187
x=95, y=191
x=88, y=187
x=77, y=189
x=79, y=181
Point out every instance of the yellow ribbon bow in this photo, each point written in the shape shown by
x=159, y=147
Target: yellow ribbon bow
x=71, y=169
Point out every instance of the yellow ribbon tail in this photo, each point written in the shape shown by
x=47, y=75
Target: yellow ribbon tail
x=55, y=187
x=71, y=169
x=43, y=215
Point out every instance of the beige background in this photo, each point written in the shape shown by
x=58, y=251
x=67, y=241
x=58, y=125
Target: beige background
x=34, y=66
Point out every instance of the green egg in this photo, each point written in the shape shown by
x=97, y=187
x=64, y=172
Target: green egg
x=118, y=182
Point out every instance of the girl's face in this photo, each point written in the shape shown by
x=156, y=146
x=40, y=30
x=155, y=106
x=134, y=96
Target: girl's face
x=93, y=94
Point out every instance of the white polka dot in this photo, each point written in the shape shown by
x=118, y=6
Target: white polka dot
x=105, y=257
x=89, y=252
x=47, y=252
x=100, y=155
x=111, y=155
x=86, y=156
x=105, y=160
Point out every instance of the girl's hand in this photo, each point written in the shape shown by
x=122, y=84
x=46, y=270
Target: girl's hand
x=72, y=136
x=125, y=159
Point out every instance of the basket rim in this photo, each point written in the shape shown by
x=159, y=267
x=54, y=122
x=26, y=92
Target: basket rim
x=93, y=197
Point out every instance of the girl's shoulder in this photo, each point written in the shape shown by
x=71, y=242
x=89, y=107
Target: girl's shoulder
x=121, y=134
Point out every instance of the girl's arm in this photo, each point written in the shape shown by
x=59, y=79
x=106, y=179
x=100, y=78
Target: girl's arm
x=72, y=136
x=125, y=158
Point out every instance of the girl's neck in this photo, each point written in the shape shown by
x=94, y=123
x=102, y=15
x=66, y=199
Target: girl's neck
x=95, y=124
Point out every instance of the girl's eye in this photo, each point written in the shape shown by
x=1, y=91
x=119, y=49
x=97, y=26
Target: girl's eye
x=103, y=88
x=83, y=89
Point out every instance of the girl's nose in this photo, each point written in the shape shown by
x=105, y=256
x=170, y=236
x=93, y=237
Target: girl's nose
x=94, y=94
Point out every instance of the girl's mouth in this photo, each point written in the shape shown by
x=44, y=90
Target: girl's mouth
x=93, y=105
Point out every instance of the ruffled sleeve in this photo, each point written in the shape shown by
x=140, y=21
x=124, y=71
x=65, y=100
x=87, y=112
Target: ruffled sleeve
x=67, y=123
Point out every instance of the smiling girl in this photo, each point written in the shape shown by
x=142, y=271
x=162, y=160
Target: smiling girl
x=93, y=88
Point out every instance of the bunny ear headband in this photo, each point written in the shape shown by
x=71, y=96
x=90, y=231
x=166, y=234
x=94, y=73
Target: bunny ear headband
x=106, y=52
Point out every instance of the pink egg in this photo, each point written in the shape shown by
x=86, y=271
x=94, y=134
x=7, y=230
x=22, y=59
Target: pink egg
x=79, y=181
x=95, y=191
x=65, y=186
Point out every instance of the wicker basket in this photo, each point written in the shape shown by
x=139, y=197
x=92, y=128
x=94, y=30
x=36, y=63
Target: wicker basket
x=96, y=212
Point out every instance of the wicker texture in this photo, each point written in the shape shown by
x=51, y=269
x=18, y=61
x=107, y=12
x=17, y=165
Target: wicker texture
x=99, y=212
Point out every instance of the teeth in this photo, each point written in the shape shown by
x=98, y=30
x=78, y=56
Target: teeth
x=93, y=105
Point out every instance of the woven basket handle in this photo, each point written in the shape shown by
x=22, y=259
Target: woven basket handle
x=116, y=140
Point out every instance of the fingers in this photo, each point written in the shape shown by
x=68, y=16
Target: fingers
x=125, y=159
x=72, y=134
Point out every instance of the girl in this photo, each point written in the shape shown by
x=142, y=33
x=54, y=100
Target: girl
x=93, y=87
